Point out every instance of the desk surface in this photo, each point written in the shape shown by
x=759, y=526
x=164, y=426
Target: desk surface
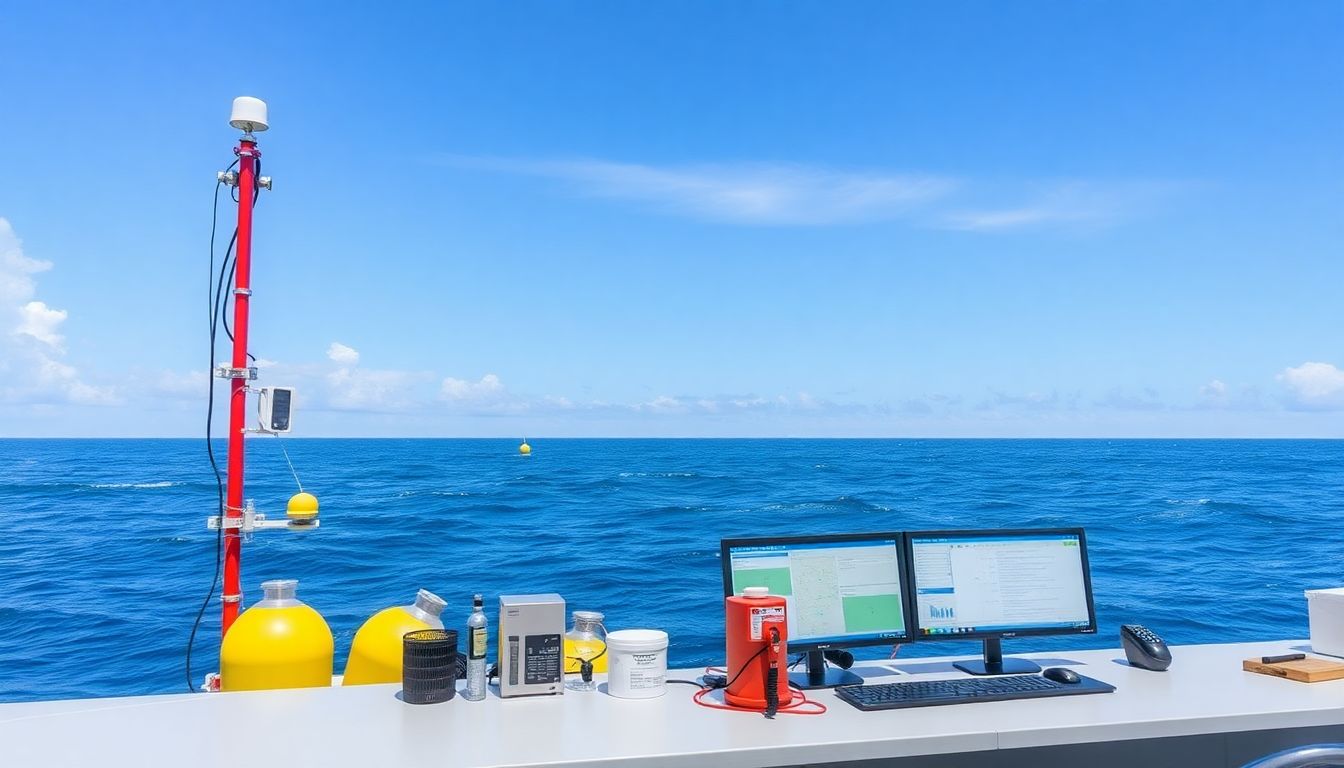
x=1204, y=692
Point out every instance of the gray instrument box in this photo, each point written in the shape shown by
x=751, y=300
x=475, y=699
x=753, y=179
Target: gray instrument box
x=531, y=645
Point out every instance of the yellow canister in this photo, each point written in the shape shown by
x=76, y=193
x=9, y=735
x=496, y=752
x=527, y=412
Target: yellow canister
x=277, y=643
x=375, y=654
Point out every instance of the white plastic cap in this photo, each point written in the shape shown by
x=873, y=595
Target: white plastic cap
x=280, y=589
x=249, y=114
x=756, y=592
x=429, y=602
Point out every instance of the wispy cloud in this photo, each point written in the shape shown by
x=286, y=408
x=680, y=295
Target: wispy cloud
x=1054, y=204
x=1122, y=399
x=1028, y=401
x=750, y=193
x=791, y=194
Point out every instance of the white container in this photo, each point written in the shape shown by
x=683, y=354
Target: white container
x=1325, y=612
x=638, y=663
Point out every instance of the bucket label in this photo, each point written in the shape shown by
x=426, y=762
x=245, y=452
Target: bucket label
x=646, y=670
x=759, y=615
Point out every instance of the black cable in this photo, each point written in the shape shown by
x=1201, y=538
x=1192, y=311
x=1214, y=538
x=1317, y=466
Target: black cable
x=772, y=681
x=772, y=692
x=224, y=310
x=209, y=447
x=746, y=664
x=214, y=220
x=586, y=665
x=220, y=298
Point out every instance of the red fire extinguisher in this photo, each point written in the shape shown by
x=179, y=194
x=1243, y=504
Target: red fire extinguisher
x=757, y=640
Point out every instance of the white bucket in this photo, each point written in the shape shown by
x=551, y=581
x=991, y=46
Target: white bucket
x=638, y=663
x=1325, y=612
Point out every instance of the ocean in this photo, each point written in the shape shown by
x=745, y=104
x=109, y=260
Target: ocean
x=105, y=557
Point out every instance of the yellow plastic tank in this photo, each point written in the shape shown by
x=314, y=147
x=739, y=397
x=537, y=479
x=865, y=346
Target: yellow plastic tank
x=375, y=654
x=277, y=643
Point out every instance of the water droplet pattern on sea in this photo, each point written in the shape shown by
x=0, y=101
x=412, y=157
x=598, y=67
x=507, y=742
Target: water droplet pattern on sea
x=104, y=557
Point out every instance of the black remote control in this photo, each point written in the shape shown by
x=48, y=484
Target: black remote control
x=1144, y=649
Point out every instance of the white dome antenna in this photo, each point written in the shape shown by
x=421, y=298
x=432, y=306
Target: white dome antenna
x=249, y=114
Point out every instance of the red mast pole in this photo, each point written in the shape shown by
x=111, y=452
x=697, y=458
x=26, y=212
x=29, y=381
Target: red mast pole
x=247, y=189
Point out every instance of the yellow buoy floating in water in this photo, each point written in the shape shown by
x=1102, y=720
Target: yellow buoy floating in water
x=525, y=449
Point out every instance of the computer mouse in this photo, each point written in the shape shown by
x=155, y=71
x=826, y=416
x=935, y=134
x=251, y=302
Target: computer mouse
x=1062, y=675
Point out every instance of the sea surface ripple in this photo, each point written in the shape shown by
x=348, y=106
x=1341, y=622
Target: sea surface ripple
x=105, y=558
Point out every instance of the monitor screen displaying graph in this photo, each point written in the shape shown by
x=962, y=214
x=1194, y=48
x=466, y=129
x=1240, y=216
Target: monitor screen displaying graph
x=999, y=582
x=840, y=590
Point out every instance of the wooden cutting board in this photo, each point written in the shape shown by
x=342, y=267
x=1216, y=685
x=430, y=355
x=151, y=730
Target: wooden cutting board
x=1303, y=670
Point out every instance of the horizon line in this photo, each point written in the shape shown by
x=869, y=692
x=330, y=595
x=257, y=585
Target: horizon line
x=710, y=437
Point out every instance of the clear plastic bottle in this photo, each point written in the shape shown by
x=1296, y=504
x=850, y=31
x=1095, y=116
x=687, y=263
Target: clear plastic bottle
x=477, y=636
x=585, y=650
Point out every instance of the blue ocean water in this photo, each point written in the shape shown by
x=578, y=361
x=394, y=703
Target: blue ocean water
x=104, y=555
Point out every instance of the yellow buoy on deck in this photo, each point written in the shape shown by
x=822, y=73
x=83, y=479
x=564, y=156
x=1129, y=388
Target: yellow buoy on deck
x=525, y=449
x=375, y=655
x=277, y=643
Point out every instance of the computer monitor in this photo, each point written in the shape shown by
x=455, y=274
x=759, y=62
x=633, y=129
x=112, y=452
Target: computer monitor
x=993, y=584
x=841, y=591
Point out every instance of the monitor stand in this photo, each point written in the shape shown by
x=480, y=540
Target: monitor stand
x=995, y=664
x=818, y=675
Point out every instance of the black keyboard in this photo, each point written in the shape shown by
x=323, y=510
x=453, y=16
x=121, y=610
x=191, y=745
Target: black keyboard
x=929, y=693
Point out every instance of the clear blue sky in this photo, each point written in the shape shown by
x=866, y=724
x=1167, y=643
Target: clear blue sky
x=756, y=218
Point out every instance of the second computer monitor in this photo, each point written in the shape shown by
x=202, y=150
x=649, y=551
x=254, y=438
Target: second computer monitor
x=993, y=584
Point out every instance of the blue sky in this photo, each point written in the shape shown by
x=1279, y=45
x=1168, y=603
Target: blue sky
x=946, y=219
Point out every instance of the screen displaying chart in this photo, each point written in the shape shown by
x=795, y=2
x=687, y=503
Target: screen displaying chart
x=838, y=591
x=999, y=583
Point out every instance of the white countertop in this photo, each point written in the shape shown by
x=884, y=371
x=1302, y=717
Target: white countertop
x=1205, y=691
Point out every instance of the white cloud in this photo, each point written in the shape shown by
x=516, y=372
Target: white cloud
x=341, y=354
x=757, y=193
x=42, y=323
x=460, y=390
x=16, y=283
x=1214, y=389
x=1314, y=385
x=31, y=344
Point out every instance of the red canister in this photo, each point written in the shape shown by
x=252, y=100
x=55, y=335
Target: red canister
x=757, y=640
